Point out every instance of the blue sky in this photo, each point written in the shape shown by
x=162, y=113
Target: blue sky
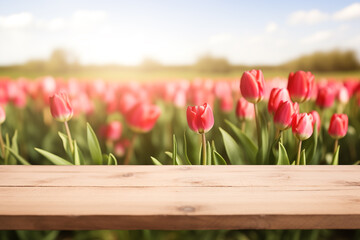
x=176, y=32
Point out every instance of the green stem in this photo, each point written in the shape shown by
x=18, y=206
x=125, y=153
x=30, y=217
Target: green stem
x=2, y=144
x=203, y=148
x=130, y=151
x=69, y=136
x=258, y=127
x=336, y=145
x=299, y=152
x=242, y=125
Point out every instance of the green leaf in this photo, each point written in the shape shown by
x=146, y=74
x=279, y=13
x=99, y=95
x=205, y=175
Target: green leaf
x=248, y=145
x=17, y=156
x=310, y=145
x=262, y=154
x=93, y=144
x=335, y=160
x=174, y=154
x=208, y=154
x=283, y=158
x=218, y=159
x=155, y=161
x=76, y=154
x=178, y=159
x=185, y=151
x=53, y=158
x=232, y=148
x=112, y=160
x=303, y=157
x=66, y=145
x=52, y=235
x=14, y=145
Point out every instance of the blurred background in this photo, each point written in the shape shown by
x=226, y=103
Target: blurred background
x=145, y=40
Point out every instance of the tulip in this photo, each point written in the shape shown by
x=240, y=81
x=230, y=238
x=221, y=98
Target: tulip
x=244, y=110
x=302, y=125
x=2, y=120
x=325, y=97
x=284, y=114
x=62, y=111
x=252, y=86
x=338, y=128
x=343, y=95
x=316, y=119
x=226, y=103
x=302, y=128
x=141, y=118
x=300, y=86
x=200, y=119
x=60, y=107
x=113, y=130
x=277, y=95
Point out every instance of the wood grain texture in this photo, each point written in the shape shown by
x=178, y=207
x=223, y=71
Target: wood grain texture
x=179, y=197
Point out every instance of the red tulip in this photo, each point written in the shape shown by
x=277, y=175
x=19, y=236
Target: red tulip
x=200, y=118
x=60, y=107
x=142, y=117
x=245, y=110
x=316, y=119
x=113, y=130
x=300, y=86
x=338, y=126
x=302, y=125
x=325, y=97
x=2, y=115
x=252, y=86
x=284, y=114
x=277, y=95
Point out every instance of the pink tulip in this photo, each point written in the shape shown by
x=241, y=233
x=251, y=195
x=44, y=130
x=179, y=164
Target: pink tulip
x=338, y=126
x=244, y=110
x=200, y=118
x=60, y=107
x=325, y=97
x=302, y=125
x=277, y=95
x=343, y=95
x=142, y=117
x=252, y=86
x=284, y=114
x=300, y=86
x=226, y=103
x=113, y=130
x=316, y=119
x=2, y=115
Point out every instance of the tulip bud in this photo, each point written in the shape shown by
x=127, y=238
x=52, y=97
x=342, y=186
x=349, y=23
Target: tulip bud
x=2, y=115
x=302, y=126
x=252, y=86
x=142, y=117
x=245, y=110
x=325, y=97
x=284, y=114
x=200, y=118
x=316, y=119
x=60, y=107
x=300, y=86
x=338, y=126
x=277, y=95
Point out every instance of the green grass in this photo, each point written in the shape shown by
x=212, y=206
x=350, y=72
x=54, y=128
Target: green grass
x=141, y=75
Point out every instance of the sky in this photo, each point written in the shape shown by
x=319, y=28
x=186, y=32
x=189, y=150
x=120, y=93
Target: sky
x=176, y=32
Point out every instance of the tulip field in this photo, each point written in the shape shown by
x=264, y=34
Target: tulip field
x=301, y=120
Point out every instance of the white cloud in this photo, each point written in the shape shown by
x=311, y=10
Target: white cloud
x=307, y=17
x=350, y=12
x=16, y=21
x=317, y=37
x=87, y=19
x=220, y=39
x=271, y=27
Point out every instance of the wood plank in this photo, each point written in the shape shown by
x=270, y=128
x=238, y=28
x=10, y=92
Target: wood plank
x=179, y=197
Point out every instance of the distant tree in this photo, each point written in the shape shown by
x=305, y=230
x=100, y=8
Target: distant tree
x=208, y=63
x=62, y=60
x=150, y=64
